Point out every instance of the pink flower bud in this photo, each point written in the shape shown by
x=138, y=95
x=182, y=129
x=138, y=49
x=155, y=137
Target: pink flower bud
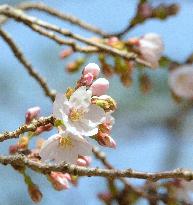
x=100, y=86
x=59, y=180
x=84, y=161
x=31, y=114
x=13, y=148
x=66, y=53
x=81, y=162
x=87, y=79
x=43, y=128
x=105, y=140
x=88, y=159
x=93, y=69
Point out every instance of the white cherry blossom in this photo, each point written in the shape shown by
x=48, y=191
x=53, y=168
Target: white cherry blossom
x=78, y=114
x=151, y=47
x=181, y=81
x=64, y=146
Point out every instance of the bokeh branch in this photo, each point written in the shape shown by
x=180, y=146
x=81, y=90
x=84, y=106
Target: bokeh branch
x=66, y=17
x=19, y=15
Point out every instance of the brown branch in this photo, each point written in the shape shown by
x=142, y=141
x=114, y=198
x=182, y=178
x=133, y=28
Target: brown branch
x=26, y=128
x=29, y=21
x=66, y=17
x=51, y=35
x=81, y=171
x=22, y=160
x=20, y=56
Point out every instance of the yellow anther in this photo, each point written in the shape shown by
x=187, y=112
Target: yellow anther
x=65, y=142
x=76, y=115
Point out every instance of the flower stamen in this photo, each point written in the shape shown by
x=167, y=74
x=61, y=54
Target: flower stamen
x=75, y=115
x=65, y=142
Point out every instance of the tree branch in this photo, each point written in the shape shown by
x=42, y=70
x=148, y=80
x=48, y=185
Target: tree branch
x=20, y=56
x=22, y=160
x=51, y=35
x=29, y=21
x=26, y=128
x=66, y=17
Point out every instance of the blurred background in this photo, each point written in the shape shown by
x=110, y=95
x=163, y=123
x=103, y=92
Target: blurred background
x=144, y=140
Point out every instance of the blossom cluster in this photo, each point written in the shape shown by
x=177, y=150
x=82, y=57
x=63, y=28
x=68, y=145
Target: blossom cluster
x=82, y=113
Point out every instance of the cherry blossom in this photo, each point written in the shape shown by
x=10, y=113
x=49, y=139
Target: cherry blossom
x=151, y=47
x=181, y=81
x=78, y=114
x=65, y=146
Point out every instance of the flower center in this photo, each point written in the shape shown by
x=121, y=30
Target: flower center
x=76, y=115
x=65, y=142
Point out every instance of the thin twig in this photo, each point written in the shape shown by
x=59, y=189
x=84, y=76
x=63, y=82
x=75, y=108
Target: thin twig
x=26, y=128
x=66, y=17
x=29, y=21
x=20, y=56
x=61, y=41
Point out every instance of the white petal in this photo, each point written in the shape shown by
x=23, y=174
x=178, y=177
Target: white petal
x=60, y=105
x=81, y=98
x=155, y=38
x=68, y=155
x=96, y=115
x=83, y=127
x=82, y=146
x=110, y=119
x=49, y=148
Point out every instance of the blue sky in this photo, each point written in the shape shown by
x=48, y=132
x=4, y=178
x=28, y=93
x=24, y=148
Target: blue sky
x=147, y=144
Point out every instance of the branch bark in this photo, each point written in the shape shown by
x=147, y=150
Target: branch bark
x=26, y=128
x=22, y=160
